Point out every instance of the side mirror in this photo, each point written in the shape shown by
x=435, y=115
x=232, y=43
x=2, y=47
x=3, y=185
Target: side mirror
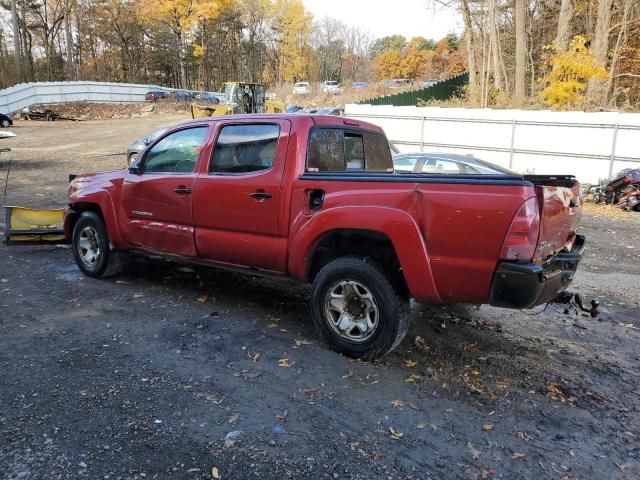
x=135, y=170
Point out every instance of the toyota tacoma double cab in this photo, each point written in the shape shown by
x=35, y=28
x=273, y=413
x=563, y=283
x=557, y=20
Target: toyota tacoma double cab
x=316, y=198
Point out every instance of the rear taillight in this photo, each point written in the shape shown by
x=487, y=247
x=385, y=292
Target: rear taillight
x=522, y=237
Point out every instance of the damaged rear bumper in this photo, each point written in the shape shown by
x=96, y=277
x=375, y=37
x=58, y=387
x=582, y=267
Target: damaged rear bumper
x=517, y=285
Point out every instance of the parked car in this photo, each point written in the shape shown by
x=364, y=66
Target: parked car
x=331, y=86
x=301, y=88
x=446, y=163
x=210, y=97
x=155, y=95
x=5, y=121
x=137, y=147
x=359, y=84
x=308, y=110
x=292, y=108
x=395, y=83
x=315, y=198
x=330, y=111
x=182, y=96
x=430, y=82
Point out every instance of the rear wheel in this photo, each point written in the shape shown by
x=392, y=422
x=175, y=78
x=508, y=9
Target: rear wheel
x=357, y=309
x=92, y=248
x=5, y=123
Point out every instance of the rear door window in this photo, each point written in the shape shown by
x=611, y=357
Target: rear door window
x=342, y=150
x=245, y=148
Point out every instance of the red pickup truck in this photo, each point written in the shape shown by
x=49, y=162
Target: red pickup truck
x=316, y=198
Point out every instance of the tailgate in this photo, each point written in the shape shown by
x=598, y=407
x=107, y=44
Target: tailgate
x=561, y=212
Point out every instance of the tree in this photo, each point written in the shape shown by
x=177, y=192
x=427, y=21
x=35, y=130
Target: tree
x=421, y=43
x=388, y=64
x=571, y=71
x=521, y=51
x=565, y=15
x=393, y=42
x=595, y=93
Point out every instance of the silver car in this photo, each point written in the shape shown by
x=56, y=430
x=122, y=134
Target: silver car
x=136, y=148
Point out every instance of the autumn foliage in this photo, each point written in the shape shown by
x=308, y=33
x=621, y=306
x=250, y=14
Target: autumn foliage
x=570, y=72
x=416, y=60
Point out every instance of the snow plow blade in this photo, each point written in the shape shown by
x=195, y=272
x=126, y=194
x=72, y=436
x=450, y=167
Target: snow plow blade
x=27, y=225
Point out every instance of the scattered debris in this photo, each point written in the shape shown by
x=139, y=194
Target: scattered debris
x=232, y=438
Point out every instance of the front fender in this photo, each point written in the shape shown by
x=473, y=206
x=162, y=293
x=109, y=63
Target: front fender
x=399, y=226
x=102, y=199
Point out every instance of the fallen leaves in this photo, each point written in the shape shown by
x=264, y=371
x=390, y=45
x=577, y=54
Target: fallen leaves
x=253, y=357
x=303, y=341
x=475, y=453
x=410, y=363
x=233, y=418
x=349, y=374
x=214, y=473
x=399, y=404
x=284, y=363
x=554, y=392
x=421, y=344
x=202, y=298
x=395, y=434
x=411, y=378
x=518, y=455
x=487, y=427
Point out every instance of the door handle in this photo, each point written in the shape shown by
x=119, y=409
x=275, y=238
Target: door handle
x=261, y=195
x=182, y=191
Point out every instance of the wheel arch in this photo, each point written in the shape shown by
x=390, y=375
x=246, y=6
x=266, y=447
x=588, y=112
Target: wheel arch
x=392, y=230
x=103, y=206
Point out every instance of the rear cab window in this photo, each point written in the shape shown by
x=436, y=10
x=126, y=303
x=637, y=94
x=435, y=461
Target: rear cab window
x=346, y=150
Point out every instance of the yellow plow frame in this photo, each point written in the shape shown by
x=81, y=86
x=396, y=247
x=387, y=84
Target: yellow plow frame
x=28, y=225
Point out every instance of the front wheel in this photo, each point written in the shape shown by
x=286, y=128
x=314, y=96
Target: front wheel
x=92, y=248
x=357, y=309
x=5, y=123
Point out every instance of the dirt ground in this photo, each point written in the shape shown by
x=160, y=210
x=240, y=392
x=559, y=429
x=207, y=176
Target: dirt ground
x=142, y=376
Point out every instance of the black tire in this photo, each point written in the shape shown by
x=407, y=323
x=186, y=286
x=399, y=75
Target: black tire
x=393, y=308
x=108, y=261
x=5, y=123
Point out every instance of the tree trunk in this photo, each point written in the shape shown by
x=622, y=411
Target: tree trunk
x=16, y=41
x=563, y=36
x=521, y=52
x=181, y=60
x=600, y=48
x=471, y=50
x=493, y=33
x=69, y=41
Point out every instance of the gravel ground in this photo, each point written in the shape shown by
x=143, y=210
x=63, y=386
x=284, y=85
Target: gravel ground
x=144, y=375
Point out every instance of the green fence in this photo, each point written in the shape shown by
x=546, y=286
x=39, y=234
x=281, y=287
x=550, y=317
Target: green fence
x=440, y=91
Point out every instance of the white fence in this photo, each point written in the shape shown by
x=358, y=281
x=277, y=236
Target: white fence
x=590, y=146
x=26, y=94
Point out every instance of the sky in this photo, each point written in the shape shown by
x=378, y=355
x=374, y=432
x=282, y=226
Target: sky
x=384, y=17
